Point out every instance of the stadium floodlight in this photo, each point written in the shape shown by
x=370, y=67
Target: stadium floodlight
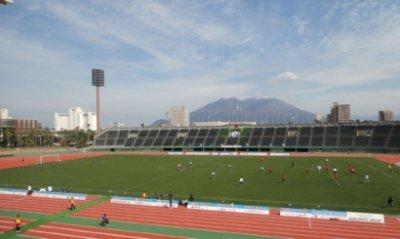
x=98, y=81
x=97, y=77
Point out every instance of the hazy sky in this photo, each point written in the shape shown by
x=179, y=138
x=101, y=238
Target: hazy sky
x=158, y=54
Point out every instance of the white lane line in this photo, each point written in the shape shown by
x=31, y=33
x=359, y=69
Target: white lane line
x=93, y=232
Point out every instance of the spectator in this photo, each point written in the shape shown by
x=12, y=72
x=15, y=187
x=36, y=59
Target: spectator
x=30, y=191
x=104, y=220
x=191, y=198
x=170, y=196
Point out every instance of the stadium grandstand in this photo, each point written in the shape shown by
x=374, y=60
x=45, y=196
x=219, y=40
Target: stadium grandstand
x=371, y=137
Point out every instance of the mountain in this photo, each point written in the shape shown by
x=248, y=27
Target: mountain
x=271, y=110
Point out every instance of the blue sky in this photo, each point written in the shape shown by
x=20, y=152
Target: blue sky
x=158, y=54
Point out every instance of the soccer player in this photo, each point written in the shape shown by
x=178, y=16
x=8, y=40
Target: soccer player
x=241, y=180
x=366, y=178
x=269, y=170
x=390, y=202
x=319, y=168
x=72, y=203
x=179, y=167
x=18, y=223
x=351, y=169
x=326, y=166
x=390, y=168
x=335, y=174
x=292, y=164
x=284, y=178
x=229, y=166
x=212, y=175
x=308, y=169
x=262, y=169
x=190, y=164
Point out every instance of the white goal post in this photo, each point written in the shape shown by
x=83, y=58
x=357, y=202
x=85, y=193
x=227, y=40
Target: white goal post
x=49, y=158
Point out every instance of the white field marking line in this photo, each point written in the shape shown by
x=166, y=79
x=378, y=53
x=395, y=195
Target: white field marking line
x=237, y=233
x=262, y=232
x=93, y=232
x=160, y=178
x=120, y=230
x=330, y=174
x=57, y=234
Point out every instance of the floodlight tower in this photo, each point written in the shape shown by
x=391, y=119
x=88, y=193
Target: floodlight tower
x=98, y=81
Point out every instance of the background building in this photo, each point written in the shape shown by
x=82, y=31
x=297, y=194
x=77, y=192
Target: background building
x=386, y=116
x=76, y=118
x=339, y=113
x=178, y=116
x=320, y=117
x=4, y=113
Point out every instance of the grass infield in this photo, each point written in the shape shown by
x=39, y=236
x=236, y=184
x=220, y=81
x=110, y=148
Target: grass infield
x=132, y=174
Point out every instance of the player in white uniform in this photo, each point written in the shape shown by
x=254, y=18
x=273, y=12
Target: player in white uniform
x=241, y=181
x=366, y=178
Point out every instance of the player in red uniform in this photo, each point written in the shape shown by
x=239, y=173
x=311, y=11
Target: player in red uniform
x=326, y=166
x=269, y=169
x=335, y=174
x=308, y=169
x=351, y=169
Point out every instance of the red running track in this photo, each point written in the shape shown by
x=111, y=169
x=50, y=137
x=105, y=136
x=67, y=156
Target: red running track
x=22, y=161
x=67, y=231
x=36, y=204
x=272, y=225
x=388, y=158
x=7, y=223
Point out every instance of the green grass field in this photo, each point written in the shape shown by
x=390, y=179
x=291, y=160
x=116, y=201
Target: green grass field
x=158, y=174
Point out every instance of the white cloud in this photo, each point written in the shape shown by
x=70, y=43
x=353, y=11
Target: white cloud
x=195, y=52
x=283, y=78
x=301, y=25
x=366, y=49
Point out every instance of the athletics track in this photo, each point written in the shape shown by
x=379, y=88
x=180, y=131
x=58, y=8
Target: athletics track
x=242, y=225
x=173, y=220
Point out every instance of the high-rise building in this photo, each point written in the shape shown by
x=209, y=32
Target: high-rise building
x=386, y=116
x=339, y=113
x=319, y=117
x=4, y=113
x=178, y=116
x=76, y=118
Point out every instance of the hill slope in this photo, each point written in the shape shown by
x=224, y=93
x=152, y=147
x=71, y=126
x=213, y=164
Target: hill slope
x=269, y=110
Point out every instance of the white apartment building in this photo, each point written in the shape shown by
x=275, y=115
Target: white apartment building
x=4, y=113
x=75, y=118
x=178, y=116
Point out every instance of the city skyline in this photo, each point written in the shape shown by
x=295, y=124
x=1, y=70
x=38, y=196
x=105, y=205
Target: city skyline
x=155, y=54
